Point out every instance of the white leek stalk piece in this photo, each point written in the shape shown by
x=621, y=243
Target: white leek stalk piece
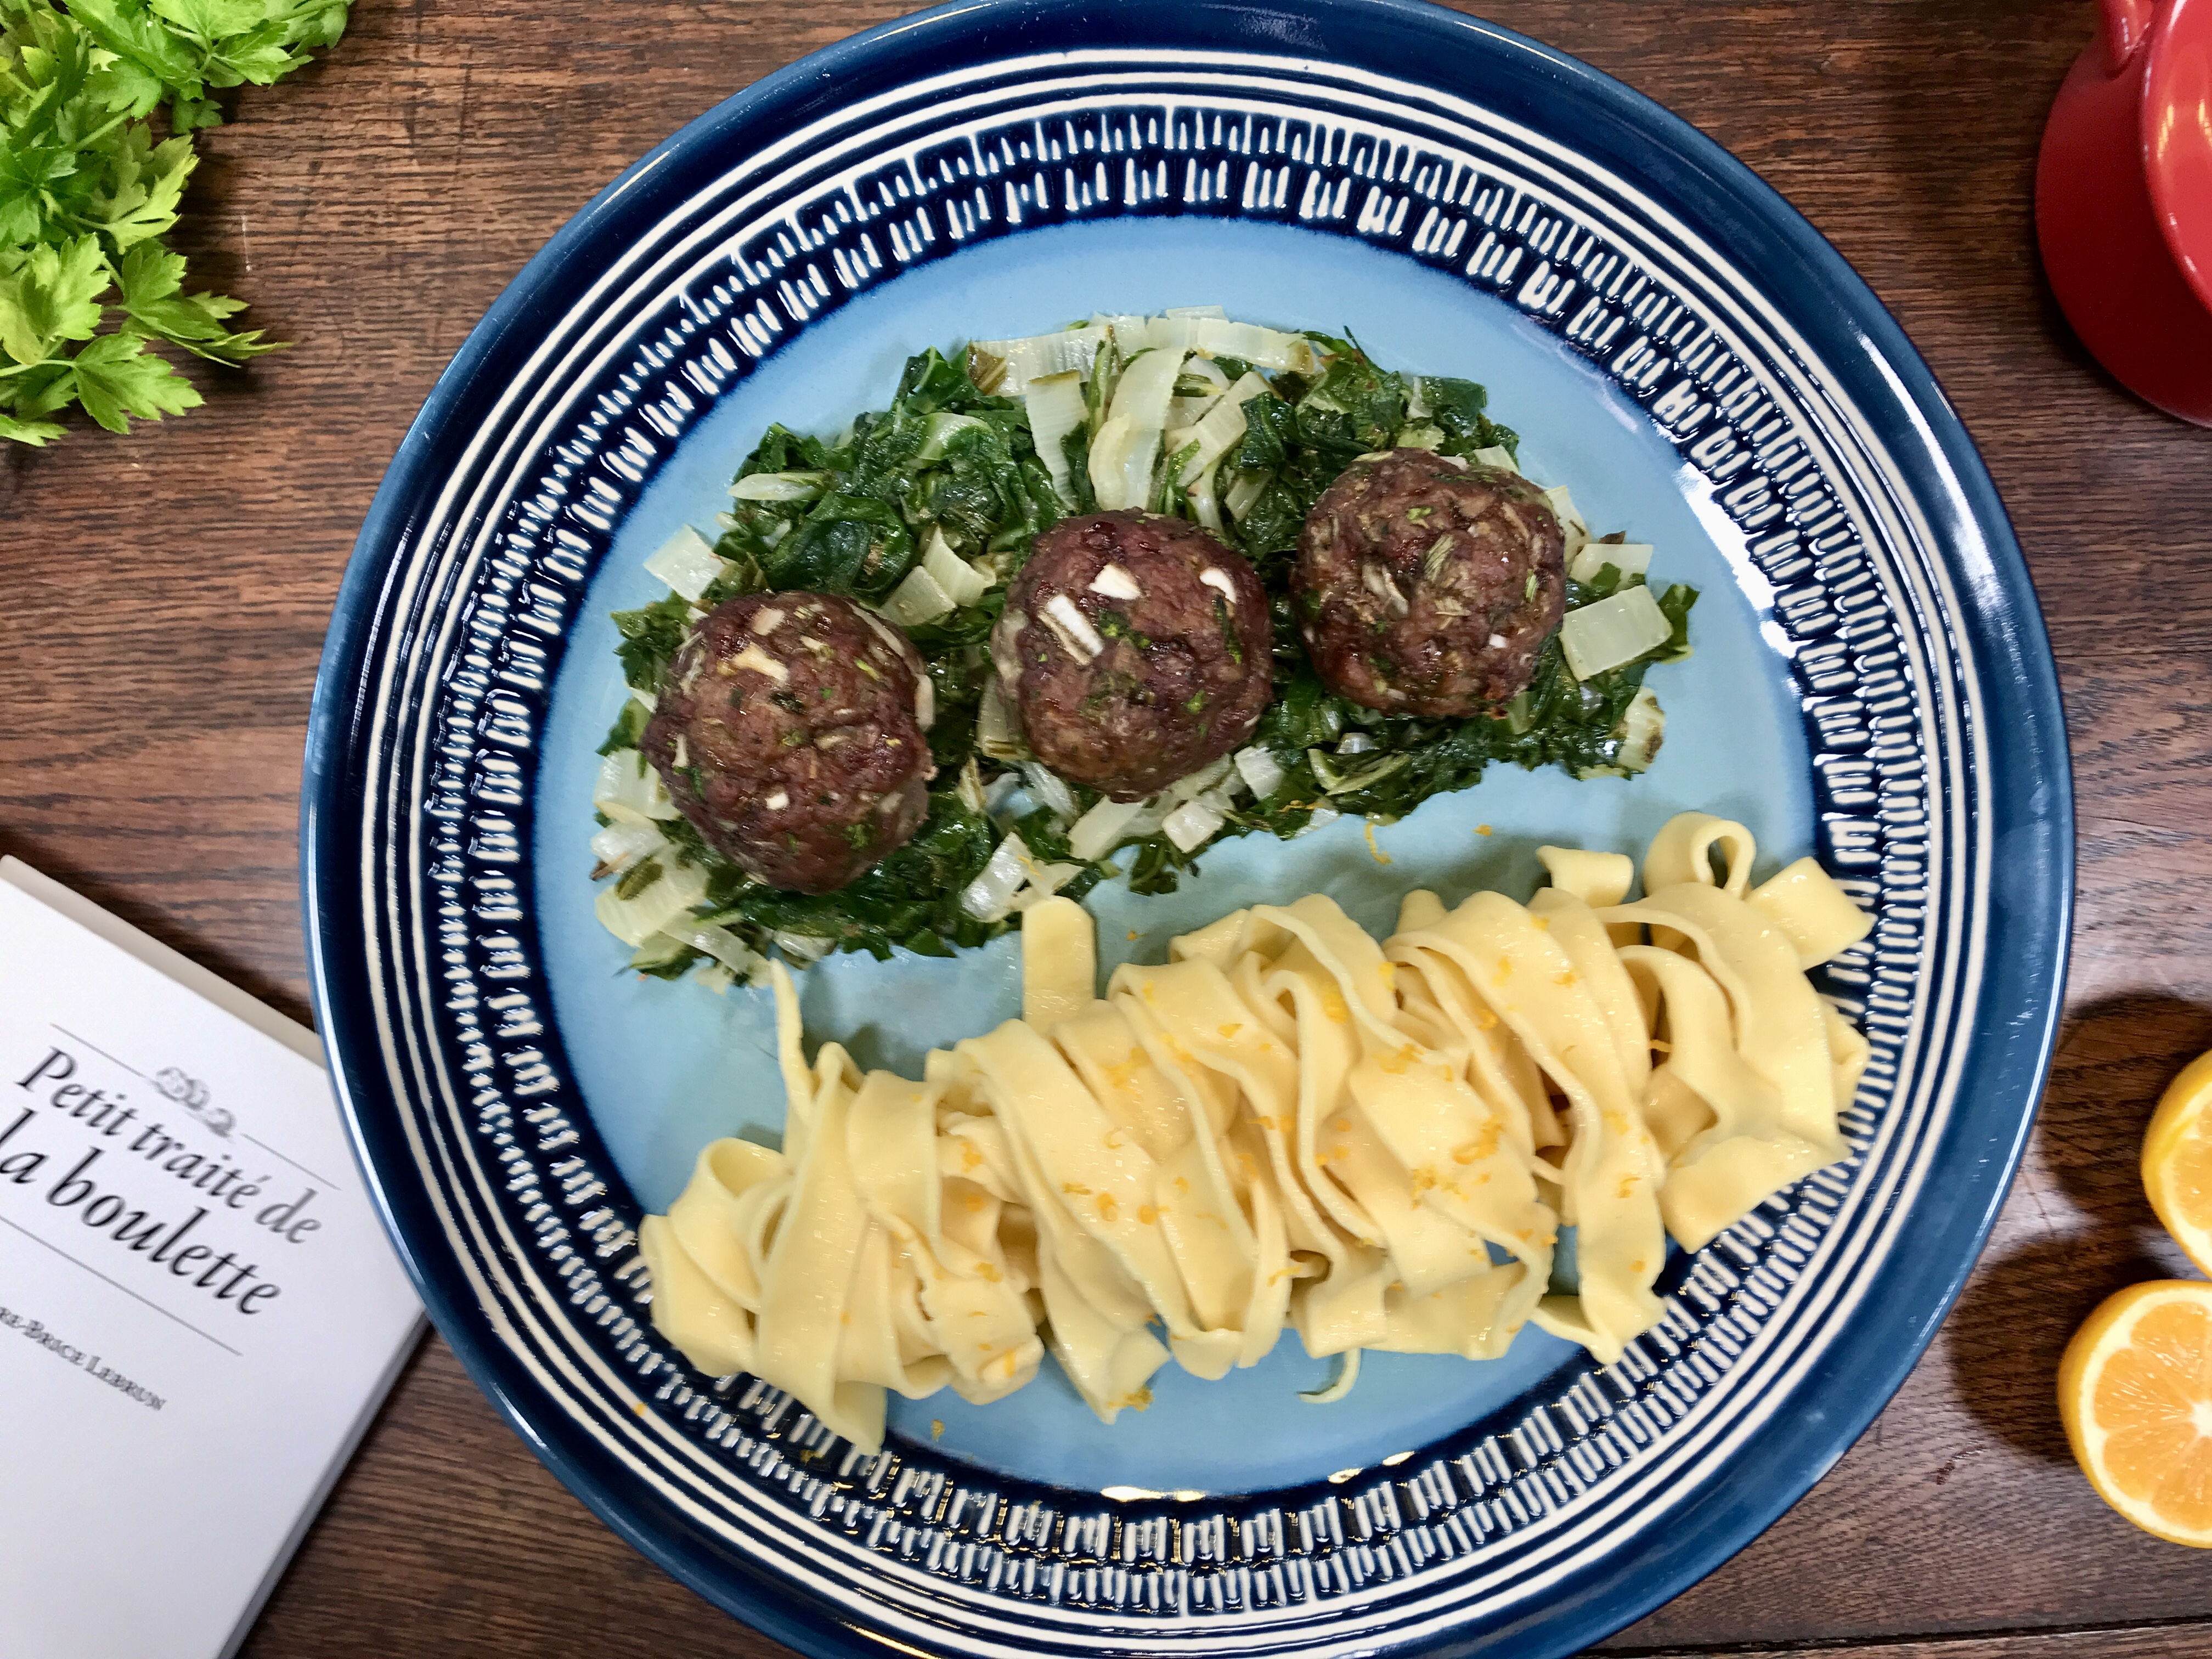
x=918, y=599
x=624, y=842
x=1056, y=408
x=724, y=947
x=802, y=948
x=1495, y=456
x=778, y=487
x=990, y=897
x=1630, y=558
x=1194, y=784
x=1571, y=522
x=1262, y=774
x=1642, y=724
x=688, y=563
x=1067, y=349
x=1243, y=490
x=1216, y=336
x=1194, y=822
x=1050, y=789
x=1045, y=880
x=1186, y=412
x=655, y=907
x=629, y=789
x=1102, y=828
x=1613, y=631
x=995, y=732
x=971, y=787
x=963, y=584
x=1127, y=446
x=1218, y=431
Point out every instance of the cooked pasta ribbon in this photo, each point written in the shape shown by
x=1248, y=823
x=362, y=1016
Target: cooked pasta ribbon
x=1285, y=1125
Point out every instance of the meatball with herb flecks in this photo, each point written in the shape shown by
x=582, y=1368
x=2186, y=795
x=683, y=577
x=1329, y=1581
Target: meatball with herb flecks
x=789, y=732
x=1426, y=585
x=1133, y=650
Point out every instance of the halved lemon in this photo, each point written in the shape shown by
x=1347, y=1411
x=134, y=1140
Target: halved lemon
x=2177, y=1161
x=2135, y=1391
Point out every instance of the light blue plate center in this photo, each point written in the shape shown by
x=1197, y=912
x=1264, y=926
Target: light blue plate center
x=665, y=1068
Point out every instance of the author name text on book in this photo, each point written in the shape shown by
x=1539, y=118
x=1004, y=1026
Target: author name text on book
x=94, y=1366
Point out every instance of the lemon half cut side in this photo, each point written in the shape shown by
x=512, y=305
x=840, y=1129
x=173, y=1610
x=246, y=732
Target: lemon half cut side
x=2135, y=1391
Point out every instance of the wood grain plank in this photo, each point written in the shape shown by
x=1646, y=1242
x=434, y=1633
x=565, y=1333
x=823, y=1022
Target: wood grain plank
x=165, y=598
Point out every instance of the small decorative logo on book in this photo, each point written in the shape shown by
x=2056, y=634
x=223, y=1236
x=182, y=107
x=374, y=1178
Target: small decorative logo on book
x=191, y=1094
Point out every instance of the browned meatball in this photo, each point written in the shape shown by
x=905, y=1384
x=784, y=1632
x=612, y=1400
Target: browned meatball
x=1134, y=649
x=789, y=731
x=1427, y=587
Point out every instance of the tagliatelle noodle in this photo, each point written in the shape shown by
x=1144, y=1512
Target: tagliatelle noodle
x=1216, y=1201
x=1285, y=1125
x=1460, y=1161
x=1610, y=1177
x=1761, y=1140
x=807, y=1279
x=968, y=1295
x=1084, y=1186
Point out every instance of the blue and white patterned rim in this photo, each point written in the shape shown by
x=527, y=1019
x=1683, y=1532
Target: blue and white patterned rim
x=1931, y=712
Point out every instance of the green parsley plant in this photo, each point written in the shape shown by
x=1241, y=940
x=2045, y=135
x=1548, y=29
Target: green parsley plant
x=88, y=192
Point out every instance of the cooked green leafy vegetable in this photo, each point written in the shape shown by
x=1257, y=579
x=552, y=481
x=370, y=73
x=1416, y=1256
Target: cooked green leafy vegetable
x=926, y=508
x=88, y=192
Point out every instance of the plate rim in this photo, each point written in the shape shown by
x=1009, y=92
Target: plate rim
x=2005, y=623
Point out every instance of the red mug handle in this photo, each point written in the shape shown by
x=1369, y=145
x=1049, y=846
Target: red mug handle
x=2126, y=24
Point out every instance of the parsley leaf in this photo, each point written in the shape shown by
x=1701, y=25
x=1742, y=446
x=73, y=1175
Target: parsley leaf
x=89, y=189
x=51, y=297
x=116, y=377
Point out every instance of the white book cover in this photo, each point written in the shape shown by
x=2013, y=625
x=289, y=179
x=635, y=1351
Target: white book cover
x=199, y=1310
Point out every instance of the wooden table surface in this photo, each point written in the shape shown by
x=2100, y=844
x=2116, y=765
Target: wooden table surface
x=163, y=599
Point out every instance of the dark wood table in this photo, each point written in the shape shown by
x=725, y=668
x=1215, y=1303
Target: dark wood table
x=163, y=599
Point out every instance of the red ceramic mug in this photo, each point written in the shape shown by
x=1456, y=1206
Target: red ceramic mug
x=2124, y=200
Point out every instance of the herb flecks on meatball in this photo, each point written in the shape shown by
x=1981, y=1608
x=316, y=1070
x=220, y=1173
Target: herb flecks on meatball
x=1426, y=585
x=1134, y=649
x=789, y=731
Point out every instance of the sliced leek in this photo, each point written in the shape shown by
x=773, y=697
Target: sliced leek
x=1642, y=727
x=1629, y=558
x=920, y=598
x=1020, y=361
x=1128, y=444
x=963, y=584
x=1613, y=631
x=627, y=789
x=1571, y=522
x=634, y=910
x=687, y=562
x=778, y=487
x=1055, y=403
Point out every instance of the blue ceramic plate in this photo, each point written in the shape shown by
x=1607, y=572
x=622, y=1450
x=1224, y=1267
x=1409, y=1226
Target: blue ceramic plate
x=1672, y=342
